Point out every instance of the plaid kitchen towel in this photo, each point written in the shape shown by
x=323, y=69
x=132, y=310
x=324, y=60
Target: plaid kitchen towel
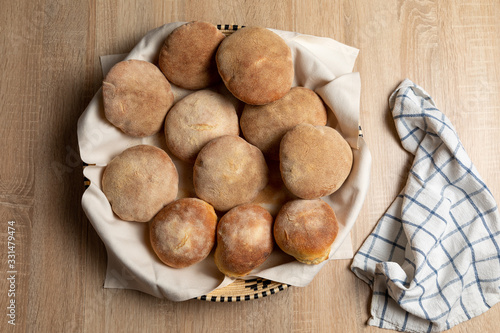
x=433, y=260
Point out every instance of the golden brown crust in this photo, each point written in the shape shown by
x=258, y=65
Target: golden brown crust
x=314, y=160
x=139, y=182
x=187, y=57
x=183, y=232
x=195, y=120
x=136, y=97
x=256, y=65
x=229, y=172
x=265, y=125
x=244, y=240
x=306, y=229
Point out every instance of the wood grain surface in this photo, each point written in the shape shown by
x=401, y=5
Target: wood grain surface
x=49, y=65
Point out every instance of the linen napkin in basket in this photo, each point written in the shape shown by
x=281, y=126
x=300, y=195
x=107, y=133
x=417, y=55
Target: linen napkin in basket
x=321, y=64
x=433, y=260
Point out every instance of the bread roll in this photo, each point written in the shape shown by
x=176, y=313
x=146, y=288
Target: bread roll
x=229, y=172
x=244, y=240
x=306, y=229
x=187, y=57
x=136, y=97
x=139, y=182
x=183, y=232
x=265, y=125
x=314, y=160
x=195, y=120
x=256, y=65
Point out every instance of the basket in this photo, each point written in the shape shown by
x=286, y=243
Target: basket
x=239, y=290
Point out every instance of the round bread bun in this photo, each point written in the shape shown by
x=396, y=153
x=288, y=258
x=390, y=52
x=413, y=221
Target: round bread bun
x=183, y=232
x=244, y=240
x=306, y=229
x=229, y=172
x=256, y=65
x=314, y=160
x=195, y=120
x=139, y=182
x=187, y=57
x=136, y=96
x=265, y=125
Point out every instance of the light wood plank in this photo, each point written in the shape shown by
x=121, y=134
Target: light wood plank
x=57, y=247
x=50, y=71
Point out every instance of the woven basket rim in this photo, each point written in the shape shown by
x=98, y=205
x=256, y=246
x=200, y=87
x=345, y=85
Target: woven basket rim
x=244, y=290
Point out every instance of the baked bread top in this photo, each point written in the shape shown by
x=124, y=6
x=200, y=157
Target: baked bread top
x=139, y=182
x=183, y=232
x=136, y=97
x=244, y=239
x=306, y=229
x=256, y=65
x=314, y=160
x=228, y=172
x=187, y=57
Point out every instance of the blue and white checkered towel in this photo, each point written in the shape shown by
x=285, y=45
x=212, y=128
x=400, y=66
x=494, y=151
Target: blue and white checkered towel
x=433, y=260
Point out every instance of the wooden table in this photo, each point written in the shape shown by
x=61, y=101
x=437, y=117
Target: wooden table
x=50, y=70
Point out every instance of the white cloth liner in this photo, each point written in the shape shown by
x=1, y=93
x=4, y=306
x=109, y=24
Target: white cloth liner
x=321, y=64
